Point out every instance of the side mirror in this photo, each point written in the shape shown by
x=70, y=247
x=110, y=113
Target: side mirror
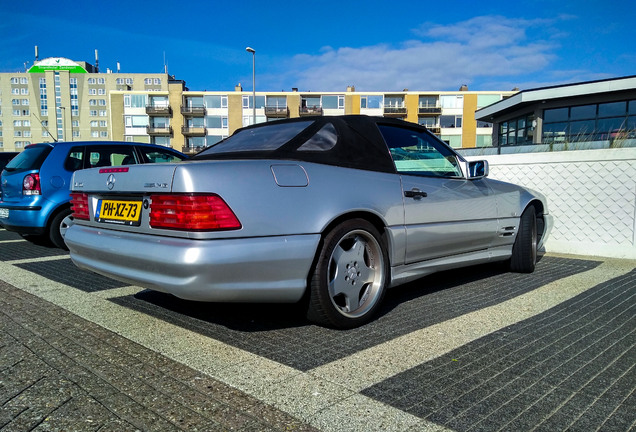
x=477, y=169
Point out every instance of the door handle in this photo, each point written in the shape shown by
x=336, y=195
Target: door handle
x=415, y=193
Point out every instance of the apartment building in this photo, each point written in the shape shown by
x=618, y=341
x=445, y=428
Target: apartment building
x=191, y=120
x=59, y=99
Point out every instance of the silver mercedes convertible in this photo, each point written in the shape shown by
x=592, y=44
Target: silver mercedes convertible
x=328, y=212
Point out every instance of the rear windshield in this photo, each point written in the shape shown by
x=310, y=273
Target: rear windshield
x=31, y=158
x=258, y=139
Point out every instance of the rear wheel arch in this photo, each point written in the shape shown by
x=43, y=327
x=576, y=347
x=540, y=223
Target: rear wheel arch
x=350, y=274
x=53, y=225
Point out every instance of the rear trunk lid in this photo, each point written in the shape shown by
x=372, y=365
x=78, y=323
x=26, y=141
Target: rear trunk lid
x=131, y=179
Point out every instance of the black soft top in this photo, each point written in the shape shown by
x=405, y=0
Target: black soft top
x=359, y=145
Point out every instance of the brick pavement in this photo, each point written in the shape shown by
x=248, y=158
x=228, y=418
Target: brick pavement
x=61, y=372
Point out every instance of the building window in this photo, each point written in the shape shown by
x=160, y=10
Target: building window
x=452, y=101
x=592, y=122
x=134, y=101
x=371, y=102
x=450, y=121
x=518, y=131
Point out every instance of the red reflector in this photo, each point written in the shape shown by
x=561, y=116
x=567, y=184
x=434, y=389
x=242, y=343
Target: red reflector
x=79, y=206
x=112, y=170
x=192, y=213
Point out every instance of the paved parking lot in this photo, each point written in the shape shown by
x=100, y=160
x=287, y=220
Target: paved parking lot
x=476, y=349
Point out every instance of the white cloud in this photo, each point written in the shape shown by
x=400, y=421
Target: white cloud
x=441, y=57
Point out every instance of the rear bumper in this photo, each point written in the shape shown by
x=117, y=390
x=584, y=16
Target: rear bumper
x=23, y=219
x=262, y=269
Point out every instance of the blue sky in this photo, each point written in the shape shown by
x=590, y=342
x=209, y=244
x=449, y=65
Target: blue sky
x=327, y=45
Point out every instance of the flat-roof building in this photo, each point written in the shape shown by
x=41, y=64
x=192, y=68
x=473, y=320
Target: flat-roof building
x=586, y=115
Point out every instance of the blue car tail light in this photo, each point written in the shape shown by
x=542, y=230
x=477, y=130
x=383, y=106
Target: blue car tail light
x=31, y=185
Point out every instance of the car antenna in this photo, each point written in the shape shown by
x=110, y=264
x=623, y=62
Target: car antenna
x=45, y=128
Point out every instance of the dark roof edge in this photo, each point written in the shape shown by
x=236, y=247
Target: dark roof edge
x=555, y=92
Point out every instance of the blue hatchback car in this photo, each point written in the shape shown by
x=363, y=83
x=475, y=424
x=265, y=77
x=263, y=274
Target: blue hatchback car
x=35, y=184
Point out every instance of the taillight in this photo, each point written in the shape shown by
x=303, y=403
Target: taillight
x=79, y=206
x=192, y=213
x=31, y=185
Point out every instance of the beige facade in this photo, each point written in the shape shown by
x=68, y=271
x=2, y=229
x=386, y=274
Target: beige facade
x=80, y=104
x=65, y=104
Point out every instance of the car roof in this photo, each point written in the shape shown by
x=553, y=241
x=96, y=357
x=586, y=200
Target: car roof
x=116, y=143
x=360, y=144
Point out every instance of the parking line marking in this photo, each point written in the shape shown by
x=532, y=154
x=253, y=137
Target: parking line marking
x=39, y=259
x=380, y=362
x=117, y=292
x=326, y=397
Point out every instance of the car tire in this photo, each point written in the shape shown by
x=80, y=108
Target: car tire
x=58, y=226
x=524, y=250
x=350, y=276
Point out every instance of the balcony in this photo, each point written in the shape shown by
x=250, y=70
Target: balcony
x=434, y=129
x=276, y=112
x=193, y=111
x=192, y=131
x=159, y=130
x=395, y=111
x=158, y=110
x=429, y=110
x=310, y=111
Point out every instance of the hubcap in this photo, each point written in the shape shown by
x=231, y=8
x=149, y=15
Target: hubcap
x=356, y=273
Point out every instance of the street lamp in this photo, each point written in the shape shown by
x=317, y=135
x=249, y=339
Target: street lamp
x=251, y=50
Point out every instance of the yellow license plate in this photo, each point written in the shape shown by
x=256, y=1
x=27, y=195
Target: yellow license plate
x=119, y=212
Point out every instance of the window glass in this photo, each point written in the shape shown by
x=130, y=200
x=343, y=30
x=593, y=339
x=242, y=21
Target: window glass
x=277, y=101
x=322, y=140
x=213, y=101
x=583, y=112
x=428, y=102
x=483, y=141
x=136, y=101
x=159, y=155
x=330, y=102
x=394, y=101
x=582, y=128
x=611, y=124
x=555, y=115
x=452, y=101
x=427, y=121
x=418, y=153
x=310, y=102
x=611, y=109
x=29, y=159
x=374, y=102
x=632, y=107
x=447, y=121
x=487, y=99
x=259, y=139
x=194, y=101
x=213, y=121
x=102, y=156
x=74, y=159
x=212, y=139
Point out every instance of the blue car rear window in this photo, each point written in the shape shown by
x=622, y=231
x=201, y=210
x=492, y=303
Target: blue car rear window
x=31, y=158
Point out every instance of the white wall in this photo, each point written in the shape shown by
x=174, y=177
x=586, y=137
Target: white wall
x=591, y=195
